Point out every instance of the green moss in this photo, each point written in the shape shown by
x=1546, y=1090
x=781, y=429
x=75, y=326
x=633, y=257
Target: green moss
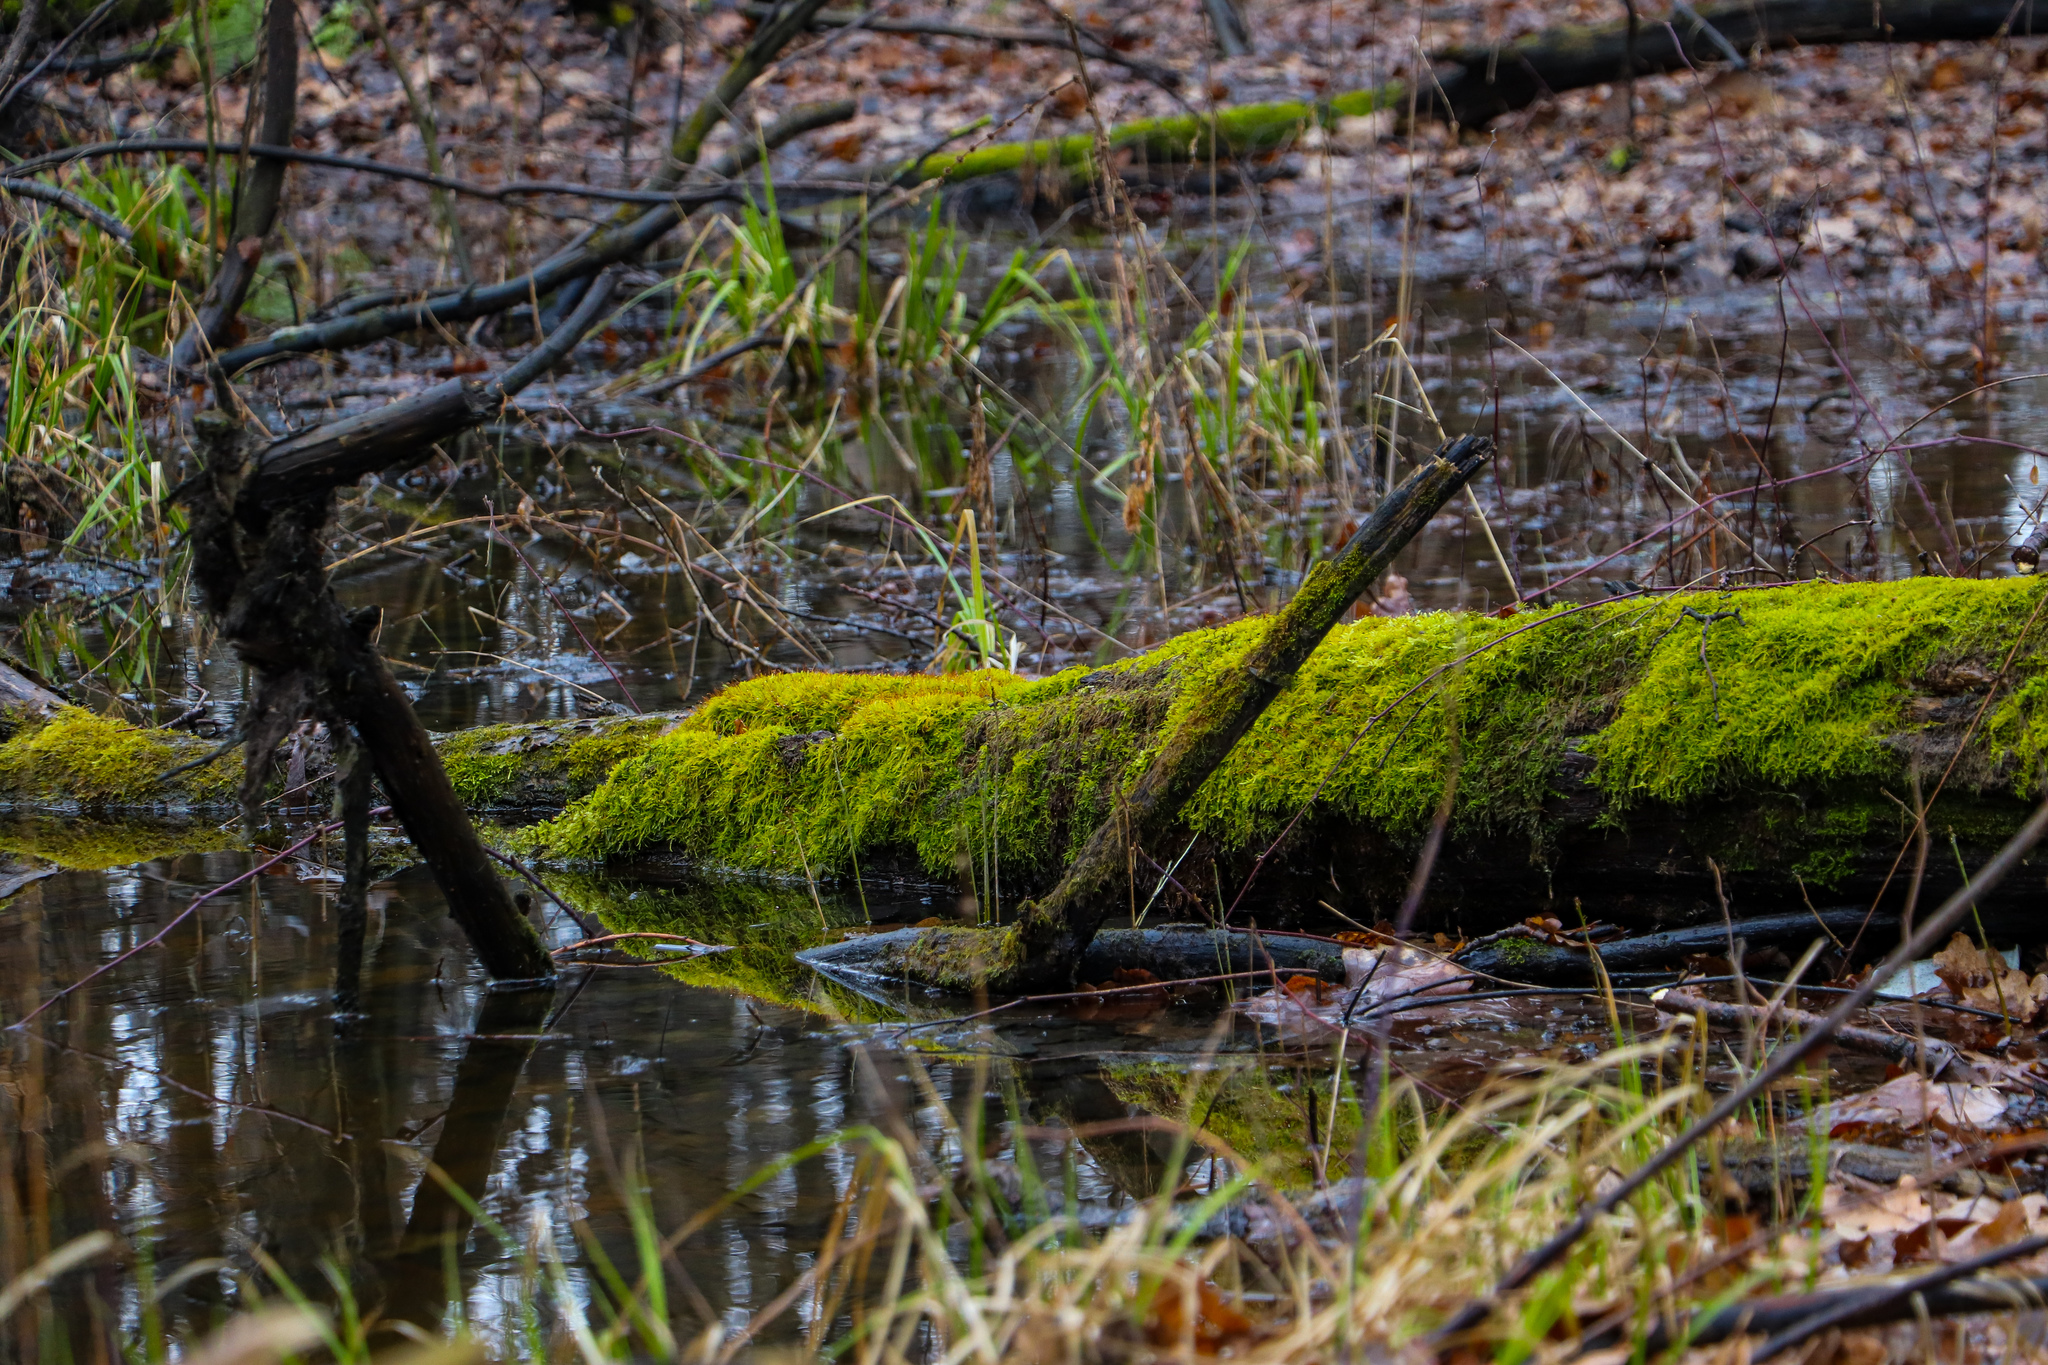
x=547, y=764
x=1818, y=687
x=99, y=761
x=1240, y=130
x=1811, y=683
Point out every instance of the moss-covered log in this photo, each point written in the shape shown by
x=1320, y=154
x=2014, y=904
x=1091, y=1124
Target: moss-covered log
x=1476, y=85
x=1594, y=763
x=1600, y=766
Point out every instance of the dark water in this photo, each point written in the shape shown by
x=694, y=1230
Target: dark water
x=1751, y=391
x=199, y=1100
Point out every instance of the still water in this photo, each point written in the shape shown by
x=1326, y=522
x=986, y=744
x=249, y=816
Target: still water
x=200, y=1101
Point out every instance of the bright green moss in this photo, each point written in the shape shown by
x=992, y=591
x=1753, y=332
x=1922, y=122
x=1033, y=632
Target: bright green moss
x=477, y=768
x=1239, y=130
x=807, y=774
x=99, y=761
x=542, y=765
x=1811, y=682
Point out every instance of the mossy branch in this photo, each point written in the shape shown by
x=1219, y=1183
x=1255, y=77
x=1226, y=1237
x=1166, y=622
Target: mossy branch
x=1052, y=934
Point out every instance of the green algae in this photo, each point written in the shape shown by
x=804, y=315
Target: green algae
x=1811, y=693
x=99, y=762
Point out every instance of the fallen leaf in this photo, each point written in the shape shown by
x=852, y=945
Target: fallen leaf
x=1912, y=1102
x=1989, y=982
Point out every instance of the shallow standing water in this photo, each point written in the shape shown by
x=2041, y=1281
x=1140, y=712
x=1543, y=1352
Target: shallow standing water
x=200, y=1100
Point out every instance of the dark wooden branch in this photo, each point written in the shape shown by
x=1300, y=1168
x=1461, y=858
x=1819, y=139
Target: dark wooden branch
x=28, y=19
x=1901, y=1049
x=684, y=196
x=607, y=246
x=344, y=450
x=258, y=193
x=1484, y=83
x=58, y=197
x=1052, y=934
x=764, y=47
x=1092, y=47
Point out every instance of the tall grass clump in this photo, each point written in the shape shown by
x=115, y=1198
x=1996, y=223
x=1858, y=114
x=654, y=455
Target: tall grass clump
x=82, y=463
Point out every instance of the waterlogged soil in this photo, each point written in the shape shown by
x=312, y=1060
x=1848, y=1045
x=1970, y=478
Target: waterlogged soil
x=201, y=1100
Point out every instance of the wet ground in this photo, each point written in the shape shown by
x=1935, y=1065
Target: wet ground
x=201, y=1099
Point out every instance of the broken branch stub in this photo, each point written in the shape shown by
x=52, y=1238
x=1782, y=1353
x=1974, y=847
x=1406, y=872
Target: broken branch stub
x=1043, y=950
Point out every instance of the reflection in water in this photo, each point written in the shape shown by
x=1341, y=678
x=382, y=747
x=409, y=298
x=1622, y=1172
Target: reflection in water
x=200, y=1101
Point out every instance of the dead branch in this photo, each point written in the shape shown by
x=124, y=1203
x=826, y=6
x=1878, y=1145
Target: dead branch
x=258, y=193
x=1476, y=85
x=1902, y=1049
x=1092, y=47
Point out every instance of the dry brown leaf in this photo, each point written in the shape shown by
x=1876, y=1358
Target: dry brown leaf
x=1984, y=980
x=1912, y=1102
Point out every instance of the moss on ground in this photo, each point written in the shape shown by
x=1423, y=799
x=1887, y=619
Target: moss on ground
x=100, y=762
x=1816, y=689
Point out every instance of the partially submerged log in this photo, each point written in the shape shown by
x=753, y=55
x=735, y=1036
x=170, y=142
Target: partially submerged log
x=1171, y=952
x=1593, y=774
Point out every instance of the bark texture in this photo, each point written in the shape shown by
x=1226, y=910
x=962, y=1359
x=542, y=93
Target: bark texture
x=1477, y=85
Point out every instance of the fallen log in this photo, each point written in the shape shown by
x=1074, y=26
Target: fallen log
x=1592, y=772
x=1473, y=86
x=1476, y=85
x=1537, y=961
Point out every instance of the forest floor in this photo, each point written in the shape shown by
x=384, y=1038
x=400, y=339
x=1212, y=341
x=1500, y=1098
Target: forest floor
x=1900, y=175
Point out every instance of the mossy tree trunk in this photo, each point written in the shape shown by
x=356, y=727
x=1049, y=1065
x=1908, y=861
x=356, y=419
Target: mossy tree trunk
x=1052, y=934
